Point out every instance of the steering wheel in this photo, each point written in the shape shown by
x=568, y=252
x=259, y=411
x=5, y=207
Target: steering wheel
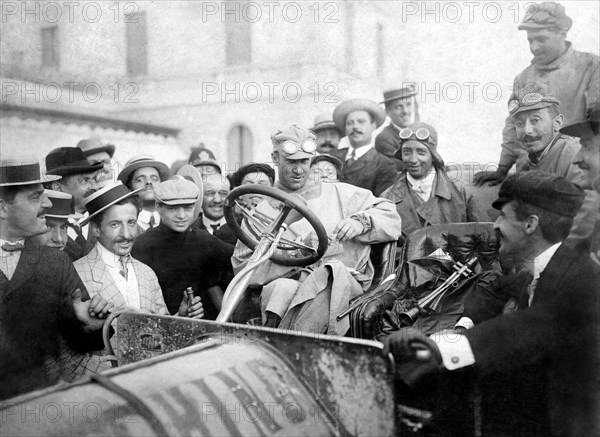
x=265, y=226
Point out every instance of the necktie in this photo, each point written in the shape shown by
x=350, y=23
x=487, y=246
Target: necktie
x=350, y=161
x=12, y=247
x=80, y=240
x=214, y=228
x=531, y=290
x=152, y=222
x=123, y=262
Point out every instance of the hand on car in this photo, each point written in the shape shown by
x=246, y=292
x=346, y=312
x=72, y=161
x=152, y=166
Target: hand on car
x=92, y=312
x=194, y=311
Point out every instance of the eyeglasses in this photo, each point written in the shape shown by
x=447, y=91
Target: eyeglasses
x=527, y=100
x=420, y=134
x=290, y=147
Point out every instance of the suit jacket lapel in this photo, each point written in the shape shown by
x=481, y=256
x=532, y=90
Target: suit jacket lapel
x=104, y=280
x=360, y=163
x=25, y=269
x=553, y=275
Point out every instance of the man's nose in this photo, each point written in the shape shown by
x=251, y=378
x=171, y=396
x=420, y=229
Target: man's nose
x=528, y=127
x=217, y=198
x=57, y=236
x=578, y=158
x=46, y=203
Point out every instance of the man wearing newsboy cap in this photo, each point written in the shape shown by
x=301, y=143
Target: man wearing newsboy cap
x=363, y=166
x=183, y=256
x=42, y=297
x=572, y=77
x=542, y=359
x=309, y=299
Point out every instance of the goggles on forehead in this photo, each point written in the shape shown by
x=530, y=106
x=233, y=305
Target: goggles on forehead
x=527, y=100
x=290, y=147
x=420, y=134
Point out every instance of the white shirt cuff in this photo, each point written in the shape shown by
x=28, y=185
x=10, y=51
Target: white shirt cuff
x=464, y=322
x=455, y=349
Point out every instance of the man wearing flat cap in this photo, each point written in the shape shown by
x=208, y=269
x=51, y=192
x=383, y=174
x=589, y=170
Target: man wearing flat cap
x=364, y=166
x=309, y=298
x=588, y=161
x=328, y=135
x=537, y=367
x=143, y=173
x=42, y=297
x=401, y=108
x=423, y=193
x=537, y=118
x=181, y=256
x=572, y=77
x=96, y=151
x=79, y=179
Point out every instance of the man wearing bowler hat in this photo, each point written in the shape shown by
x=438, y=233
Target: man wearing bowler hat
x=573, y=77
x=143, y=173
x=328, y=135
x=182, y=256
x=588, y=161
x=95, y=151
x=310, y=298
x=364, y=166
x=41, y=296
x=401, y=108
x=537, y=367
x=79, y=179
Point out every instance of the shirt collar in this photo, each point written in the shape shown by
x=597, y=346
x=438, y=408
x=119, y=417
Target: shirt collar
x=396, y=126
x=424, y=183
x=208, y=222
x=110, y=259
x=361, y=151
x=145, y=216
x=542, y=260
x=3, y=242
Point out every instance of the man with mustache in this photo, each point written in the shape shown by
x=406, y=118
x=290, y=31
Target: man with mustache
x=401, y=108
x=536, y=366
x=216, y=189
x=364, y=166
x=573, y=77
x=538, y=118
x=42, y=298
x=328, y=135
x=588, y=160
x=423, y=193
x=309, y=298
x=79, y=179
x=144, y=173
x=96, y=151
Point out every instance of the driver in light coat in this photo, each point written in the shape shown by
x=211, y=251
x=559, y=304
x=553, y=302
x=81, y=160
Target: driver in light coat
x=309, y=298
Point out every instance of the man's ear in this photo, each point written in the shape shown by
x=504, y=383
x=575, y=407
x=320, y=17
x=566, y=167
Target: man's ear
x=95, y=229
x=532, y=224
x=275, y=157
x=557, y=122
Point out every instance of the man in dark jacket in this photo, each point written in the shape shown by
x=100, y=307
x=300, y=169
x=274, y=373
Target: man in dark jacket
x=41, y=294
x=364, y=166
x=542, y=359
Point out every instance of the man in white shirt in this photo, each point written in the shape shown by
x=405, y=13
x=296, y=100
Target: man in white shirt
x=542, y=358
x=363, y=166
x=144, y=173
x=109, y=270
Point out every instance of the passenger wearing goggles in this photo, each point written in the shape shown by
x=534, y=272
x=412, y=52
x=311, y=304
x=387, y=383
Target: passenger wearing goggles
x=309, y=298
x=423, y=193
x=554, y=60
x=363, y=166
x=538, y=119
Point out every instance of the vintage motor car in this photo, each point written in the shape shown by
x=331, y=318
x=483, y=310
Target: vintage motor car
x=176, y=376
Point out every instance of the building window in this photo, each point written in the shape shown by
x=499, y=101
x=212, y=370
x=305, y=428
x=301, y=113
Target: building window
x=238, y=36
x=50, y=53
x=239, y=145
x=137, y=43
x=380, y=55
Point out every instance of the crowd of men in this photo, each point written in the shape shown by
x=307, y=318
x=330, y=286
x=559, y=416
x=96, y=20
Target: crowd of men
x=79, y=242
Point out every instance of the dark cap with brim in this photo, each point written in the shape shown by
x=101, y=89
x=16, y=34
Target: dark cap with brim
x=546, y=15
x=546, y=190
x=253, y=167
x=328, y=158
x=208, y=162
x=390, y=95
x=581, y=127
x=109, y=195
x=67, y=161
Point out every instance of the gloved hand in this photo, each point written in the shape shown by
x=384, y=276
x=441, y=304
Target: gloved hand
x=493, y=177
x=415, y=354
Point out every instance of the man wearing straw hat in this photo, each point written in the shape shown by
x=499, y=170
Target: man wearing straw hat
x=364, y=166
x=41, y=296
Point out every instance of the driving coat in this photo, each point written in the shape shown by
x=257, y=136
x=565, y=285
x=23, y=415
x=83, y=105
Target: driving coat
x=448, y=204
